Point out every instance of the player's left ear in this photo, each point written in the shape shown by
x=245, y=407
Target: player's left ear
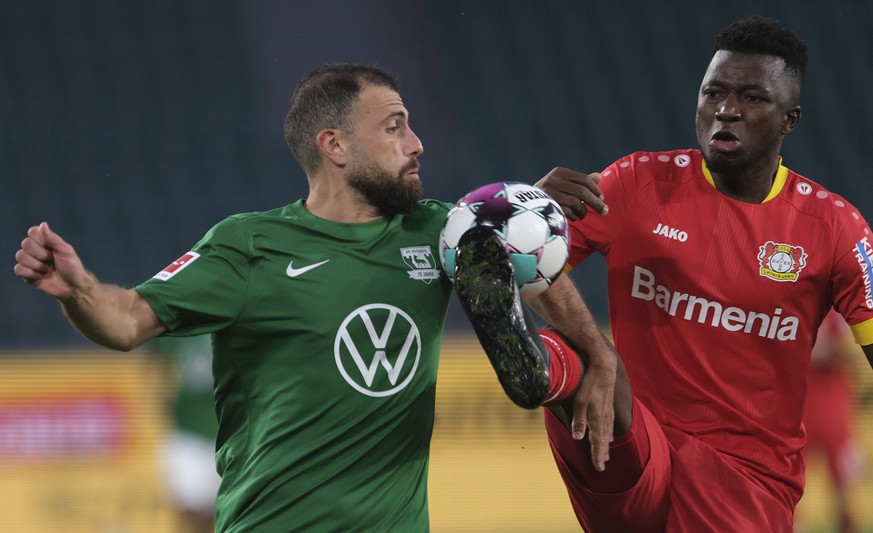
x=792, y=118
x=332, y=145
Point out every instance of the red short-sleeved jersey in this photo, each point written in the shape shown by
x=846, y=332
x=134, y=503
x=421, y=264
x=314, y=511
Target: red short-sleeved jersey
x=714, y=303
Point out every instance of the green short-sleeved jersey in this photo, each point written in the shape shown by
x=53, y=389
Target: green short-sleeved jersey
x=326, y=339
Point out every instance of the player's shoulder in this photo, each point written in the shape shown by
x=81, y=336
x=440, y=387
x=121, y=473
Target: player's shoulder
x=814, y=199
x=429, y=210
x=646, y=166
x=249, y=220
x=285, y=211
x=241, y=226
x=432, y=205
x=425, y=218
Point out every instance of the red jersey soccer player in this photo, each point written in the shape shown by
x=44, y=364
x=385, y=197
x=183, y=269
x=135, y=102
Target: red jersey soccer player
x=722, y=263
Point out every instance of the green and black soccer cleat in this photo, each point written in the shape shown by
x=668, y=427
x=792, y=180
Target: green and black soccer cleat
x=486, y=287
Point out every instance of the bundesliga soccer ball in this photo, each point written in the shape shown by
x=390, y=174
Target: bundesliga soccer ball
x=530, y=224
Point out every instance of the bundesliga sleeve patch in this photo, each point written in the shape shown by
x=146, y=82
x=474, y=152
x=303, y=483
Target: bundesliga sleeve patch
x=176, y=266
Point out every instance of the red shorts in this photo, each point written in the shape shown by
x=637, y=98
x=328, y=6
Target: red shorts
x=685, y=486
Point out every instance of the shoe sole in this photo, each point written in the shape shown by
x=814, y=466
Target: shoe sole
x=485, y=283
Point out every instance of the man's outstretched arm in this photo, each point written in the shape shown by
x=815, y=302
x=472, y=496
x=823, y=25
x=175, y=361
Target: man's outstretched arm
x=108, y=315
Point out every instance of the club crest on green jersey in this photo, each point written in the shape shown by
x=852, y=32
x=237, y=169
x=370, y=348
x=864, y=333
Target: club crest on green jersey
x=422, y=263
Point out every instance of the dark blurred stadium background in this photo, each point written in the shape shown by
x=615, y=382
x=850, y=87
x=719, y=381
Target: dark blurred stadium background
x=132, y=127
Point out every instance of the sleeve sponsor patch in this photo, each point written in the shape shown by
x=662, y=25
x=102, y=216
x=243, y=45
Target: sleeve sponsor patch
x=176, y=266
x=864, y=255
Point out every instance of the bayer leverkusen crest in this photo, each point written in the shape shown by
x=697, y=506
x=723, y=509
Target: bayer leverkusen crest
x=781, y=262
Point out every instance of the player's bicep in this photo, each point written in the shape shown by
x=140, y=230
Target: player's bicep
x=146, y=321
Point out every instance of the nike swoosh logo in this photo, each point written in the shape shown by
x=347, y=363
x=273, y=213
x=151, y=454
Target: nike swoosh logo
x=294, y=272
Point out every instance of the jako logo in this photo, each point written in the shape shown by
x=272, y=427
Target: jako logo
x=775, y=326
x=671, y=233
x=378, y=360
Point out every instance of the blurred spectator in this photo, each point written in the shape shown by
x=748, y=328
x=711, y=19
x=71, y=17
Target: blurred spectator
x=830, y=413
x=188, y=453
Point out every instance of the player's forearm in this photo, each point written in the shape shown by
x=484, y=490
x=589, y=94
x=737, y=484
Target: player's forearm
x=109, y=315
x=563, y=307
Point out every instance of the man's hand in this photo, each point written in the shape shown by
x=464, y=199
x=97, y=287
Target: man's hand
x=49, y=263
x=593, y=408
x=575, y=192
x=109, y=315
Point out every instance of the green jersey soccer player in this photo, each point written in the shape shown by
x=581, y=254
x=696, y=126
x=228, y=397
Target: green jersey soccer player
x=326, y=341
x=326, y=317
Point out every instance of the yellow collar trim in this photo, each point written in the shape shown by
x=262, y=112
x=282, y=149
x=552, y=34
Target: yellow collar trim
x=778, y=183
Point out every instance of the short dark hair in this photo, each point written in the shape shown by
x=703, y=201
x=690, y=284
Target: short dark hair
x=325, y=99
x=761, y=35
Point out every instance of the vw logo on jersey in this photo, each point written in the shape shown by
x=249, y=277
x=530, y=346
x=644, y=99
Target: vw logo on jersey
x=377, y=349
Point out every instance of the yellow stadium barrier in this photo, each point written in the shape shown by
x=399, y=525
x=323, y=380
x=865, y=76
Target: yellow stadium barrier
x=79, y=435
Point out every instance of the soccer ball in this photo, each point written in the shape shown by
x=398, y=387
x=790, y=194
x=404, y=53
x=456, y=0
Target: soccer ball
x=528, y=221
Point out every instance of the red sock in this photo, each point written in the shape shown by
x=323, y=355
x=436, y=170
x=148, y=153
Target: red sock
x=565, y=368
